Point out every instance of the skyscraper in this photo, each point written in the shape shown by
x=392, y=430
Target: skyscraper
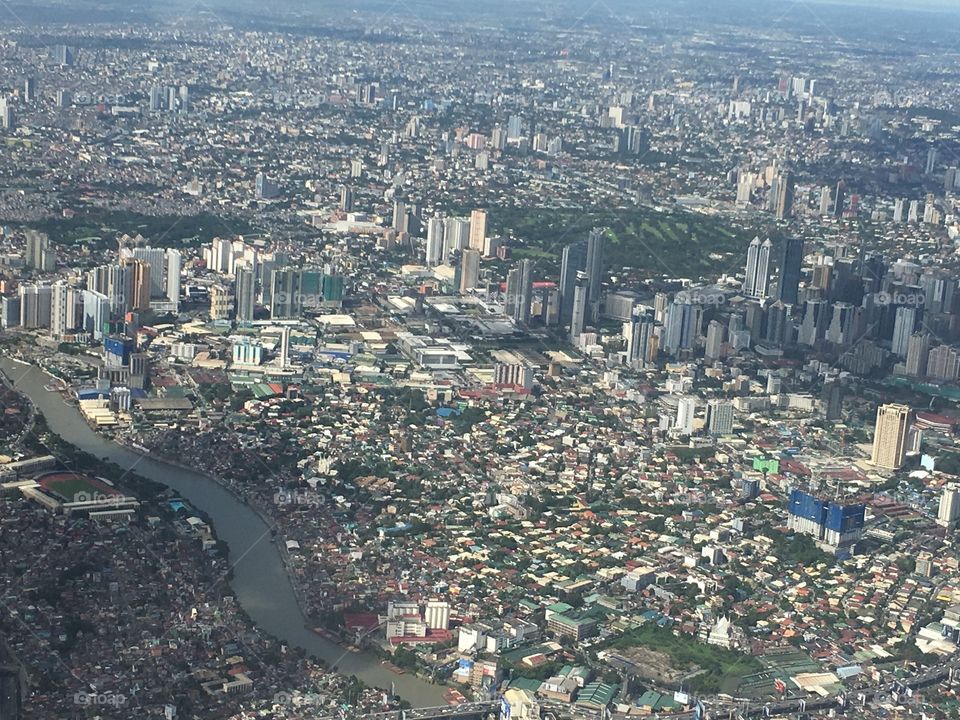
x=39, y=255
x=478, y=229
x=574, y=261
x=791, y=262
x=890, y=436
x=580, y=299
x=638, y=333
x=469, y=269
x=174, y=263
x=245, y=292
x=435, y=241
x=757, y=271
x=139, y=284
x=784, y=197
x=594, y=267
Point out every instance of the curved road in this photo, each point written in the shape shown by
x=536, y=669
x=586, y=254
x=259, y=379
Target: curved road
x=260, y=581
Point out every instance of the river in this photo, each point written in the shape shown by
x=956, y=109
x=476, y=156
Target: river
x=260, y=581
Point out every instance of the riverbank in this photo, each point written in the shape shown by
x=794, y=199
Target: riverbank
x=260, y=580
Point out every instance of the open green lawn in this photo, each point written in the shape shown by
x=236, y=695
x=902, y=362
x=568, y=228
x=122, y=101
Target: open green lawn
x=651, y=243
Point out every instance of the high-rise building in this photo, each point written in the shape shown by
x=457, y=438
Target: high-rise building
x=943, y=364
x=29, y=90
x=521, y=313
x=65, y=306
x=140, y=281
x=594, y=266
x=574, y=261
x=478, y=229
x=7, y=119
x=834, y=525
x=286, y=294
x=890, y=436
x=791, y=262
x=720, y=417
x=435, y=241
x=469, y=269
x=346, y=198
x=686, y=414
x=949, y=510
x=716, y=336
x=832, y=400
x=173, y=280
x=639, y=332
x=35, y=305
x=757, y=271
x=156, y=259
x=581, y=299
x=39, y=255
x=245, y=293
x=784, y=197
x=918, y=353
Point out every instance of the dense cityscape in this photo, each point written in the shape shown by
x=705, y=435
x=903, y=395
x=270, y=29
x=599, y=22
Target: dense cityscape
x=433, y=360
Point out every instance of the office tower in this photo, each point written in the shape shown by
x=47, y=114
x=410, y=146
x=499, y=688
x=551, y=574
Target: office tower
x=890, y=436
x=905, y=322
x=785, y=191
x=594, y=267
x=720, y=417
x=6, y=114
x=35, y=306
x=435, y=241
x=832, y=399
x=478, y=229
x=346, y=198
x=949, y=510
x=814, y=323
x=716, y=336
x=513, y=290
x=39, y=255
x=574, y=261
x=839, y=198
x=840, y=332
x=64, y=54
x=638, y=332
x=918, y=352
x=65, y=304
x=184, y=93
x=950, y=177
x=791, y=262
x=525, y=297
x=778, y=328
x=757, y=271
x=469, y=269
x=581, y=298
x=29, y=90
x=245, y=293
x=97, y=308
x=156, y=98
x=686, y=414
x=221, y=303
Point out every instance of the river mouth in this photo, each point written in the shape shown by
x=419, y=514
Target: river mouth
x=259, y=580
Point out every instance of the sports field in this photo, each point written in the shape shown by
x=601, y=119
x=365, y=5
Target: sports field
x=74, y=487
